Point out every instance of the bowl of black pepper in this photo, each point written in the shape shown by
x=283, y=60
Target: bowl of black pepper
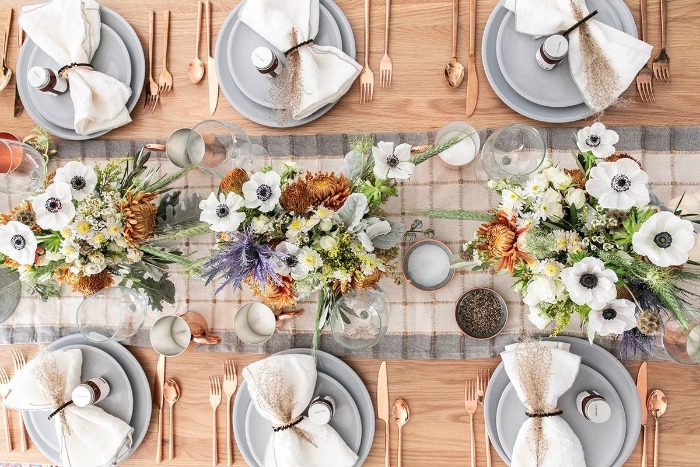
x=481, y=313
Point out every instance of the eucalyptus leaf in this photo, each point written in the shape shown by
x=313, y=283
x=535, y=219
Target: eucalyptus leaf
x=183, y=209
x=389, y=240
x=352, y=165
x=10, y=292
x=354, y=209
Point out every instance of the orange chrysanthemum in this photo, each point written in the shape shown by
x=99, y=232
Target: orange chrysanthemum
x=276, y=296
x=23, y=213
x=501, y=242
x=140, y=215
x=296, y=197
x=578, y=178
x=622, y=155
x=86, y=285
x=328, y=189
x=233, y=181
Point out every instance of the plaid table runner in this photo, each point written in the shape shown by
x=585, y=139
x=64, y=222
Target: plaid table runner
x=422, y=324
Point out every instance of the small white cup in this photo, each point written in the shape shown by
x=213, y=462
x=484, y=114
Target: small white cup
x=254, y=323
x=170, y=335
x=463, y=153
x=175, y=147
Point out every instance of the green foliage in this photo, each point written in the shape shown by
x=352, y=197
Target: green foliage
x=267, y=168
x=361, y=144
x=134, y=170
x=51, y=242
x=159, y=292
x=378, y=192
x=631, y=225
x=110, y=174
x=455, y=214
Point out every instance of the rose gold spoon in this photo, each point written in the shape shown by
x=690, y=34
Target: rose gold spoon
x=454, y=71
x=171, y=393
x=195, y=70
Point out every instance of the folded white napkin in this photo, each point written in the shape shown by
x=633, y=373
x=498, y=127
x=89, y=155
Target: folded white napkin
x=603, y=60
x=95, y=438
x=540, y=373
x=281, y=387
x=327, y=72
x=69, y=32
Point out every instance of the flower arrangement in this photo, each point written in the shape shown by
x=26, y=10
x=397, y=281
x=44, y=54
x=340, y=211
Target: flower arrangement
x=92, y=227
x=290, y=233
x=591, y=240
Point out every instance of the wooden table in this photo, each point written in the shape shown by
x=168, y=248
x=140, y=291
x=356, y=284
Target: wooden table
x=436, y=435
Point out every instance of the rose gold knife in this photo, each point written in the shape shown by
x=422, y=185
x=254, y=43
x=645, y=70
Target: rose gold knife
x=212, y=79
x=472, y=80
x=383, y=409
x=158, y=401
x=642, y=389
x=19, y=107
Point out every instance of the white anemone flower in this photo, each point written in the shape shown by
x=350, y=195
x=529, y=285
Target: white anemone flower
x=290, y=264
x=54, y=208
x=262, y=191
x=598, y=140
x=221, y=213
x=589, y=283
x=543, y=289
x=619, y=185
x=390, y=162
x=18, y=242
x=615, y=317
x=81, y=178
x=665, y=239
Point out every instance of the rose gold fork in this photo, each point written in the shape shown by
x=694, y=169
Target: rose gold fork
x=19, y=362
x=215, y=400
x=660, y=64
x=471, y=404
x=4, y=391
x=366, y=76
x=230, y=386
x=644, y=77
x=482, y=381
x=151, y=100
x=385, y=66
x=165, y=80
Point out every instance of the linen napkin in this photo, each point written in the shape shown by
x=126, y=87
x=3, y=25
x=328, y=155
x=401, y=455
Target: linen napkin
x=69, y=32
x=88, y=436
x=540, y=373
x=326, y=72
x=281, y=387
x=603, y=60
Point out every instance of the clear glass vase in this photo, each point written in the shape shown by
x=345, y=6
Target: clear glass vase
x=22, y=168
x=359, y=319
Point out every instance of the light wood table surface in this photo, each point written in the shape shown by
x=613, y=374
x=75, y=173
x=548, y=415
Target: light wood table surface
x=436, y=435
x=420, y=47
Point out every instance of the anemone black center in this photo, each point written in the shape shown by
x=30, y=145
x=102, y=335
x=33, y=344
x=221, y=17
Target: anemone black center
x=620, y=183
x=392, y=160
x=291, y=261
x=18, y=242
x=264, y=192
x=78, y=182
x=589, y=281
x=593, y=141
x=663, y=239
x=53, y=205
x=222, y=211
x=609, y=313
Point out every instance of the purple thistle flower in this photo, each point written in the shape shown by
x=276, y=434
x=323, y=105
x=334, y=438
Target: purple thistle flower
x=239, y=258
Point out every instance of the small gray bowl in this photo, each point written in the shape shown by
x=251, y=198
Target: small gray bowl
x=501, y=324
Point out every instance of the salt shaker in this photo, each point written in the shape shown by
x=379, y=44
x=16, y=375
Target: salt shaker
x=90, y=392
x=266, y=62
x=46, y=80
x=593, y=406
x=552, y=51
x=321, y=410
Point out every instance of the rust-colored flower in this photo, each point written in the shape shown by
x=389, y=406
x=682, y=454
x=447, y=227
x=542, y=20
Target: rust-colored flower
x=622, y=155
x=296, y=197
x=276, y=296
x=87, y=285
x=501, y=242
x=23, y=213
x=140, y=215
x=233, y=181
x=578, y=178
x=362, y=282
x=328, y=189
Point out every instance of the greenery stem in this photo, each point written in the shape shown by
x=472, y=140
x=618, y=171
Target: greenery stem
x=181, y=231
x=166, y=180
x=166, y=256
x=438, y=148
x=454, y=214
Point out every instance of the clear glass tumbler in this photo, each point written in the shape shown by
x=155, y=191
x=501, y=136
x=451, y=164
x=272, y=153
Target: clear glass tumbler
x=359, y=319
x=112, y=314
x=682, y=342
x=515, y=151
x=22, y=168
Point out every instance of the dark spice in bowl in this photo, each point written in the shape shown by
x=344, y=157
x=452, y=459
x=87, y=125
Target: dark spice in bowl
x=481, y=313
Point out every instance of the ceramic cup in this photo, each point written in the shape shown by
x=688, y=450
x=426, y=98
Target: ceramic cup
x=254, y=323
x=463, y=153
x=175, y=147
x=8, y=160
x=171, y=335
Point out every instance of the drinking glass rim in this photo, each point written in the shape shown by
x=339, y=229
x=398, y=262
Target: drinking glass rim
x=529, y=128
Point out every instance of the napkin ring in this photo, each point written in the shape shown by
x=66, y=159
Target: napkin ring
x=297, y=47
x=289, y=425
x=554, y=413
x=63, y=71
x=60, y=409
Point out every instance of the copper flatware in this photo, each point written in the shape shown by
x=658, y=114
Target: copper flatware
x=400, y=413
x=165, y=80
x=660, y=64
x=472, y=79
x=642, y=391
x=158, y=401
x=657, y=405
x=230, y=386
x=18, y=105
x=644, y=77
x=366, y=75
x=482, y=382
x=151, y=101
x=215, y=400
x=19, y=362
x=5, y=71
x=4, y=391
x=195, y=70
x=470, y=403
x=383, y=409
x=211, y=68
x=454, y=71
x=171, y=393
x=385, y=66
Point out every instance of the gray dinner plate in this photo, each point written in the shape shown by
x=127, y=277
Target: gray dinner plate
x=257, y=113
x=336, y=369
x=243, y=41
x=141, y=414
x=511, y=97
x=596, y=358
x=138, y=72
x=111, y=58
x=119, y=402
x=346, y=419
x=516, y=58
x=601, y=442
